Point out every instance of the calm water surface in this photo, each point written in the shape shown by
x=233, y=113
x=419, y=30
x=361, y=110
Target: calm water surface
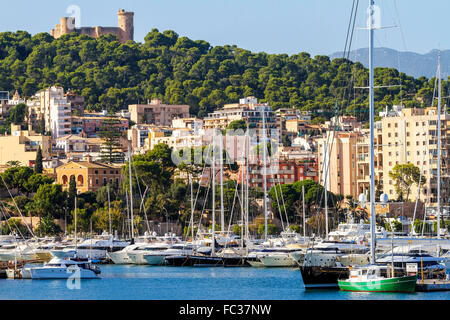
x=172, y=283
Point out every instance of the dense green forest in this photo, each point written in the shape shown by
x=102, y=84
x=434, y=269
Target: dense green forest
x=179, y=70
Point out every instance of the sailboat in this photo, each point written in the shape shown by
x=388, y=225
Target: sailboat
x=375, y=278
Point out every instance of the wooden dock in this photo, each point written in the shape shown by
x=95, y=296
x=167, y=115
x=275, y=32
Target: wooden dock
x=432, y=285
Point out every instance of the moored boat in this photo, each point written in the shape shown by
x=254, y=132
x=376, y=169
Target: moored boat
x=374, y=278
x=62, y=269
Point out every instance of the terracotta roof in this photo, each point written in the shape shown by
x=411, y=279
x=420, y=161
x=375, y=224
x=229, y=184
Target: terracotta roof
x=71, y=136
x=87, y=164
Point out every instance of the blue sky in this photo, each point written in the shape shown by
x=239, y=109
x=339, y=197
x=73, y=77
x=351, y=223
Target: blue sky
x=273, y=26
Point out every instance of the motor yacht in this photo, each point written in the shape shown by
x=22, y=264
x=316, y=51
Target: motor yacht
x=157, y=257
x=62, y=269
x=136, y=255
x=94, y=248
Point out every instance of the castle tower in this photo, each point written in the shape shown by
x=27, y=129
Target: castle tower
x=126, y=25
x=66, y=25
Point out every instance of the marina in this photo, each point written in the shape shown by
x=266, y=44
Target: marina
x=137, y=282
x=244, y=176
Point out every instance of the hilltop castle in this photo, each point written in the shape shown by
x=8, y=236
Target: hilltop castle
x=124, y=31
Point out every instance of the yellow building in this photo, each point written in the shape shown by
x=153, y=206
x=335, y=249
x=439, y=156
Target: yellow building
x=89, y=175
x=402, y=136
x=337, y=156
x=410, y=136
x=22, y=146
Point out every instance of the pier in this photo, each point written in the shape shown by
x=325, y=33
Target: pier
x=428, y=285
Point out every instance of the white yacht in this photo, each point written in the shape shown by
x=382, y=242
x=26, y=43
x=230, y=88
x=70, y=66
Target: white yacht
x=157, y=257
x=136, y=255
x=62, y=269
x=94, y=248
x=287, y=237
x=349, y=232
x=121, y=256
x=278, y=259
x=275, y=257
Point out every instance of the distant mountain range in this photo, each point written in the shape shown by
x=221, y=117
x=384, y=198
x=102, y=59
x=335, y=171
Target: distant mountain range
x=411, y=63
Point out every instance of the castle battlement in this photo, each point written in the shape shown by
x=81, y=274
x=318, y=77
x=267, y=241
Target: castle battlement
x=124, y=31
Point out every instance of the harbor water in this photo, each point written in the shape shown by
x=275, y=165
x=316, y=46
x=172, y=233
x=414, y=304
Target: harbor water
x=140, y=282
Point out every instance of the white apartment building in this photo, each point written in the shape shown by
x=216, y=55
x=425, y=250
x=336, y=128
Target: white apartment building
x=52, y=106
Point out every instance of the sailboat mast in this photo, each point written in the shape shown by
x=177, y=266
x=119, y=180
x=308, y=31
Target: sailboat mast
x=131, y=193
x=326, y=206
x=109, y=211
x=372, y=155
x=192, y=207
x=264, y=146
x=439, y=150
x=246, y=184
x=76, y=224
x=304, y=215
x=213, y=169
x=222, y=214
x=242, y=202
x=128, y=212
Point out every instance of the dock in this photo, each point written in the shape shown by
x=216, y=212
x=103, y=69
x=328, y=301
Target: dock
x=432, y=285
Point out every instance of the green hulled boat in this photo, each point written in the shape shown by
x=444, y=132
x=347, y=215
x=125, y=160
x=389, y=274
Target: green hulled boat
x=374, y=279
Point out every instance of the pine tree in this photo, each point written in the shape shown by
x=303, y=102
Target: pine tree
x=110, y=151
x=72, y=193
x=38, y=163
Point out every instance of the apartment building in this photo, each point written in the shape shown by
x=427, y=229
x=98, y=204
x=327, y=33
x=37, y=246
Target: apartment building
x=22, y=146
x=287, y=171
x=91, y=123
x=141, y=134
x=410, y=136
x=157, y=113
x=52, y=106
x=402, y=136
x=337, y=162
x=249, y=110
